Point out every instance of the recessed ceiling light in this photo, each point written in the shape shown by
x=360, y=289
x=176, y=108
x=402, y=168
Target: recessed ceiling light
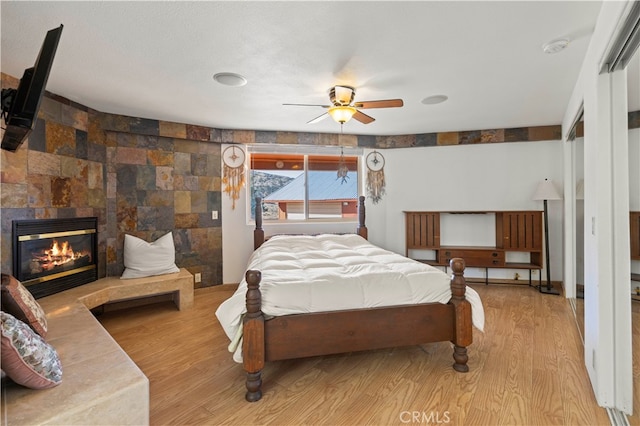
x=230, y=79
x=555, y=46
x=436, y=99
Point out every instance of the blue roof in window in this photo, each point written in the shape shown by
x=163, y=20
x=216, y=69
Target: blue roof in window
x=323, y=185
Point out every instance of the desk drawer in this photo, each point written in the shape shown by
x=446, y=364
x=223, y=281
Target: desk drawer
x=474, y=257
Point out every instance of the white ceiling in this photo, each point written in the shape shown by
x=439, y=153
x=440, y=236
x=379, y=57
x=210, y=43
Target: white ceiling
x=157, y=59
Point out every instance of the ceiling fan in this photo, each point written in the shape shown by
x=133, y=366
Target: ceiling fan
x=342, y=107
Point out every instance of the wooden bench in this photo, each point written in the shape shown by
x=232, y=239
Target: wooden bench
x=100, y=383
x=112, y=289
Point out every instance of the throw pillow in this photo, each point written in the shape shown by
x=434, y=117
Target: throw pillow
x=19, y=302
x=143, y=259
x=26, y=358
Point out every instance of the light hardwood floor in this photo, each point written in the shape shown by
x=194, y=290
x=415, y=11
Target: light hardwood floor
x=525, y=369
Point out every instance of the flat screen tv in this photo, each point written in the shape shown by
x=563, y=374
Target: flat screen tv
x=20, y=106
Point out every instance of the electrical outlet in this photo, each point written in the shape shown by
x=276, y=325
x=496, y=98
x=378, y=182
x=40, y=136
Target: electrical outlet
x=197, y=277
x=214, y=215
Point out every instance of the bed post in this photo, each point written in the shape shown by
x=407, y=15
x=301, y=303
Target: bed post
x=463, y=331
x=253, y=338
x=258, y=233
x=362, y=228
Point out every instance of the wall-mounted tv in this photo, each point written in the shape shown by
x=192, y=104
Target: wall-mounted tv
x=20, y=106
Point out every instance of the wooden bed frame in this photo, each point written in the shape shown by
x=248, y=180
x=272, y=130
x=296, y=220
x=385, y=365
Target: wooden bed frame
x=324, y=333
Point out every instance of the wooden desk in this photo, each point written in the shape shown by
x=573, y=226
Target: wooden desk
x=516, y=231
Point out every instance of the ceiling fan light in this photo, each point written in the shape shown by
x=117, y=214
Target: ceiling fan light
x=342, y=114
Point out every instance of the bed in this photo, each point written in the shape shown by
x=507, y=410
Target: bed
x=311, y=295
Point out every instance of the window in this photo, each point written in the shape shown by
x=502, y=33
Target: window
x=304, y=186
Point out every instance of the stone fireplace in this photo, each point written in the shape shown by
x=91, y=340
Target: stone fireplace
x=52, y=255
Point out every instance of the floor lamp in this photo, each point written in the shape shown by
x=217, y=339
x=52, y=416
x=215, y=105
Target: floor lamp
x=547, y=191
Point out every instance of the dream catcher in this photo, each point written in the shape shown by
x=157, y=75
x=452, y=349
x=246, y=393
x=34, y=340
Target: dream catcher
x=233, y=172
x=375, y=176
x=343, y=169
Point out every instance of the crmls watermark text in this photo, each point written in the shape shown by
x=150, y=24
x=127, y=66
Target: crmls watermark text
x=425, y=417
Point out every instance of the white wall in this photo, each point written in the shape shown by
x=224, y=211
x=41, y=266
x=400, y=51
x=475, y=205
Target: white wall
x=634, y=182
x=501, y=176
x=578, y=145
x=634, y=170
x=237, y=236
x=607, y=307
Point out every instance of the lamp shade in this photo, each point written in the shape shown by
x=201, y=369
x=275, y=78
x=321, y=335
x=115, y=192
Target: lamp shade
x=546, y=190
x=342, y=114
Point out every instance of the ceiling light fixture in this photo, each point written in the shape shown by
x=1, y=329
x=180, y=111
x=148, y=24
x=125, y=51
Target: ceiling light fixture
x=435, y=99
x=342, y=114
x=230, y=79
x=555, y=46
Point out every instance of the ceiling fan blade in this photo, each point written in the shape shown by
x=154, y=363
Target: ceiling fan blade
x=314, y=105
x=363, y=118
x=387, y=103
x=318, y=118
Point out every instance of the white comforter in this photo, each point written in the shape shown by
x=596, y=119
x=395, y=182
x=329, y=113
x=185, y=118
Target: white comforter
x=318, y=273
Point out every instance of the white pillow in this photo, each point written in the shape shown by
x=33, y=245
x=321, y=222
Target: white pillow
x=143, y=259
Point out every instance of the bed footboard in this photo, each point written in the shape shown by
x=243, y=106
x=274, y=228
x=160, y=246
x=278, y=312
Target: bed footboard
x=323, y=333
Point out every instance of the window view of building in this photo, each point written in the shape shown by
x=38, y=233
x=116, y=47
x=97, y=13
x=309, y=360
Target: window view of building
x=300, y=187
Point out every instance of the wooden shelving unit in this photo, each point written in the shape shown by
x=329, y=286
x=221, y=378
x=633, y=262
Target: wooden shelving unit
x=516, y=231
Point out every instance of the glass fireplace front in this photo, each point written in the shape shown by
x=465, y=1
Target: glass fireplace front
x=52, y=255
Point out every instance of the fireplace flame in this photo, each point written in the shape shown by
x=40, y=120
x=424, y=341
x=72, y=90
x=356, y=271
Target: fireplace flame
x=58, y=254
